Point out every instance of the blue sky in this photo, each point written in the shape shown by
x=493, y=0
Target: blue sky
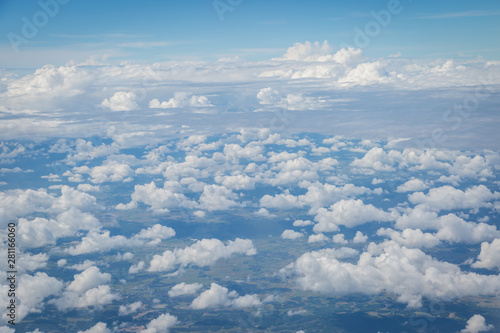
x=161, y=30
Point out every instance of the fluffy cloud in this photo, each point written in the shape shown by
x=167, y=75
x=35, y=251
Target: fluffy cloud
x=204, y=252
x=32, y=290
x=489, y=257
x=349, y=213
x=298, y=102
x=477, y=324
x=181, y=100
x=390, y=267
x=97, y=328
x=412, y=185
x=127, y=309
x=378, y=160
x=157, y=231
x=161, y=200
x=411, y=238
x=216, y=197
x=96, y=297
x=162, y=324
x=291, y=234
x=449, y=198
x=218, y=296
x=184, y=289
x=121, y=101
x=101, y=242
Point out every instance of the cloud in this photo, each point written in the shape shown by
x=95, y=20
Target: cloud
x=216, y=197
x=96, y=297
x=359, y=238
x=489, y=257
x=218, y=296
x=184, y=289
x=121, y=101
x=204, y=252
x=182, y=100
x=450, y=198
x=162, y=324
x=295, y=102
x=157, y=231
x=291, y=234
x=126, y=309
x=350, y=213
x=101, y=242
x=89, y=278
x=412, y=185
x=477, y=324
x=411, y=238
x=100, y=327
x=32, y=290
x=389, y=267
x=317, y=238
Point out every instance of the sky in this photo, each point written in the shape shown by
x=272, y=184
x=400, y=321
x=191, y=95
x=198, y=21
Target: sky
x=197, y=29
x=302, y=166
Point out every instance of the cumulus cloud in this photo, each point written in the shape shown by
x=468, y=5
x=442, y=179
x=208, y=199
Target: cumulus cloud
x=216, y=197
x=349, y=213
x=184, y=289
x=162, y=324
x=121, y=101
x=412, y=185
x=204, y=252
x=291, y=234
x=181, y=100
x=477, y=324
x=449, y=198
x=127, y=309
x=489, y=257
x=389, y=267
x=298, y=102
x=218, y=296
x=100, y=327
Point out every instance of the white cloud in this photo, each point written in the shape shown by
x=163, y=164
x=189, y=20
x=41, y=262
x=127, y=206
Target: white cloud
x=216, y=197
x=134, y=269
x=349, y=213
x=412, y=185
x=411, y=238
x=204, y=252
x=317, y=238
x=489, y=257
x=181, y=100
x=218, y=296
x=89, y=278
x=477, y=324
x=157, y=231
x=100, y=327
x=359, y=238
x=127, y=309
x=389, y=267
x=162, y=324
x=291, y=234
x=121, y=101
x=302, y=223
x=449, y=198
x=339, y=239
x=101, y=242
x=184, y=289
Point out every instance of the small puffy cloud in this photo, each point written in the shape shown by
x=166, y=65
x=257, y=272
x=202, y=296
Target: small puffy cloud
x=89, y=278
x=302, y=223
x=291, y=234
x=218, y=296
x=32, y=290
x=181, y=100
x=204, y=252
x=411, y=238
x=412, y=185
x=184, y=289
x=157, y=231
x=100, y=327
x=121, y=101
x=262, y=212
x=127, y=309
x=359, y=238
x=449, y=198
x=136, y=268
x=489, y=257
x=317, y=238
x=349, y=213
x=297, y=102
x=216, y=197
x=307, y=51
x=162, y=324
x=377, y=159
x=339, y=239
x=101, y=242
x=477, y=324
x=83, y=266
x=96, y=297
